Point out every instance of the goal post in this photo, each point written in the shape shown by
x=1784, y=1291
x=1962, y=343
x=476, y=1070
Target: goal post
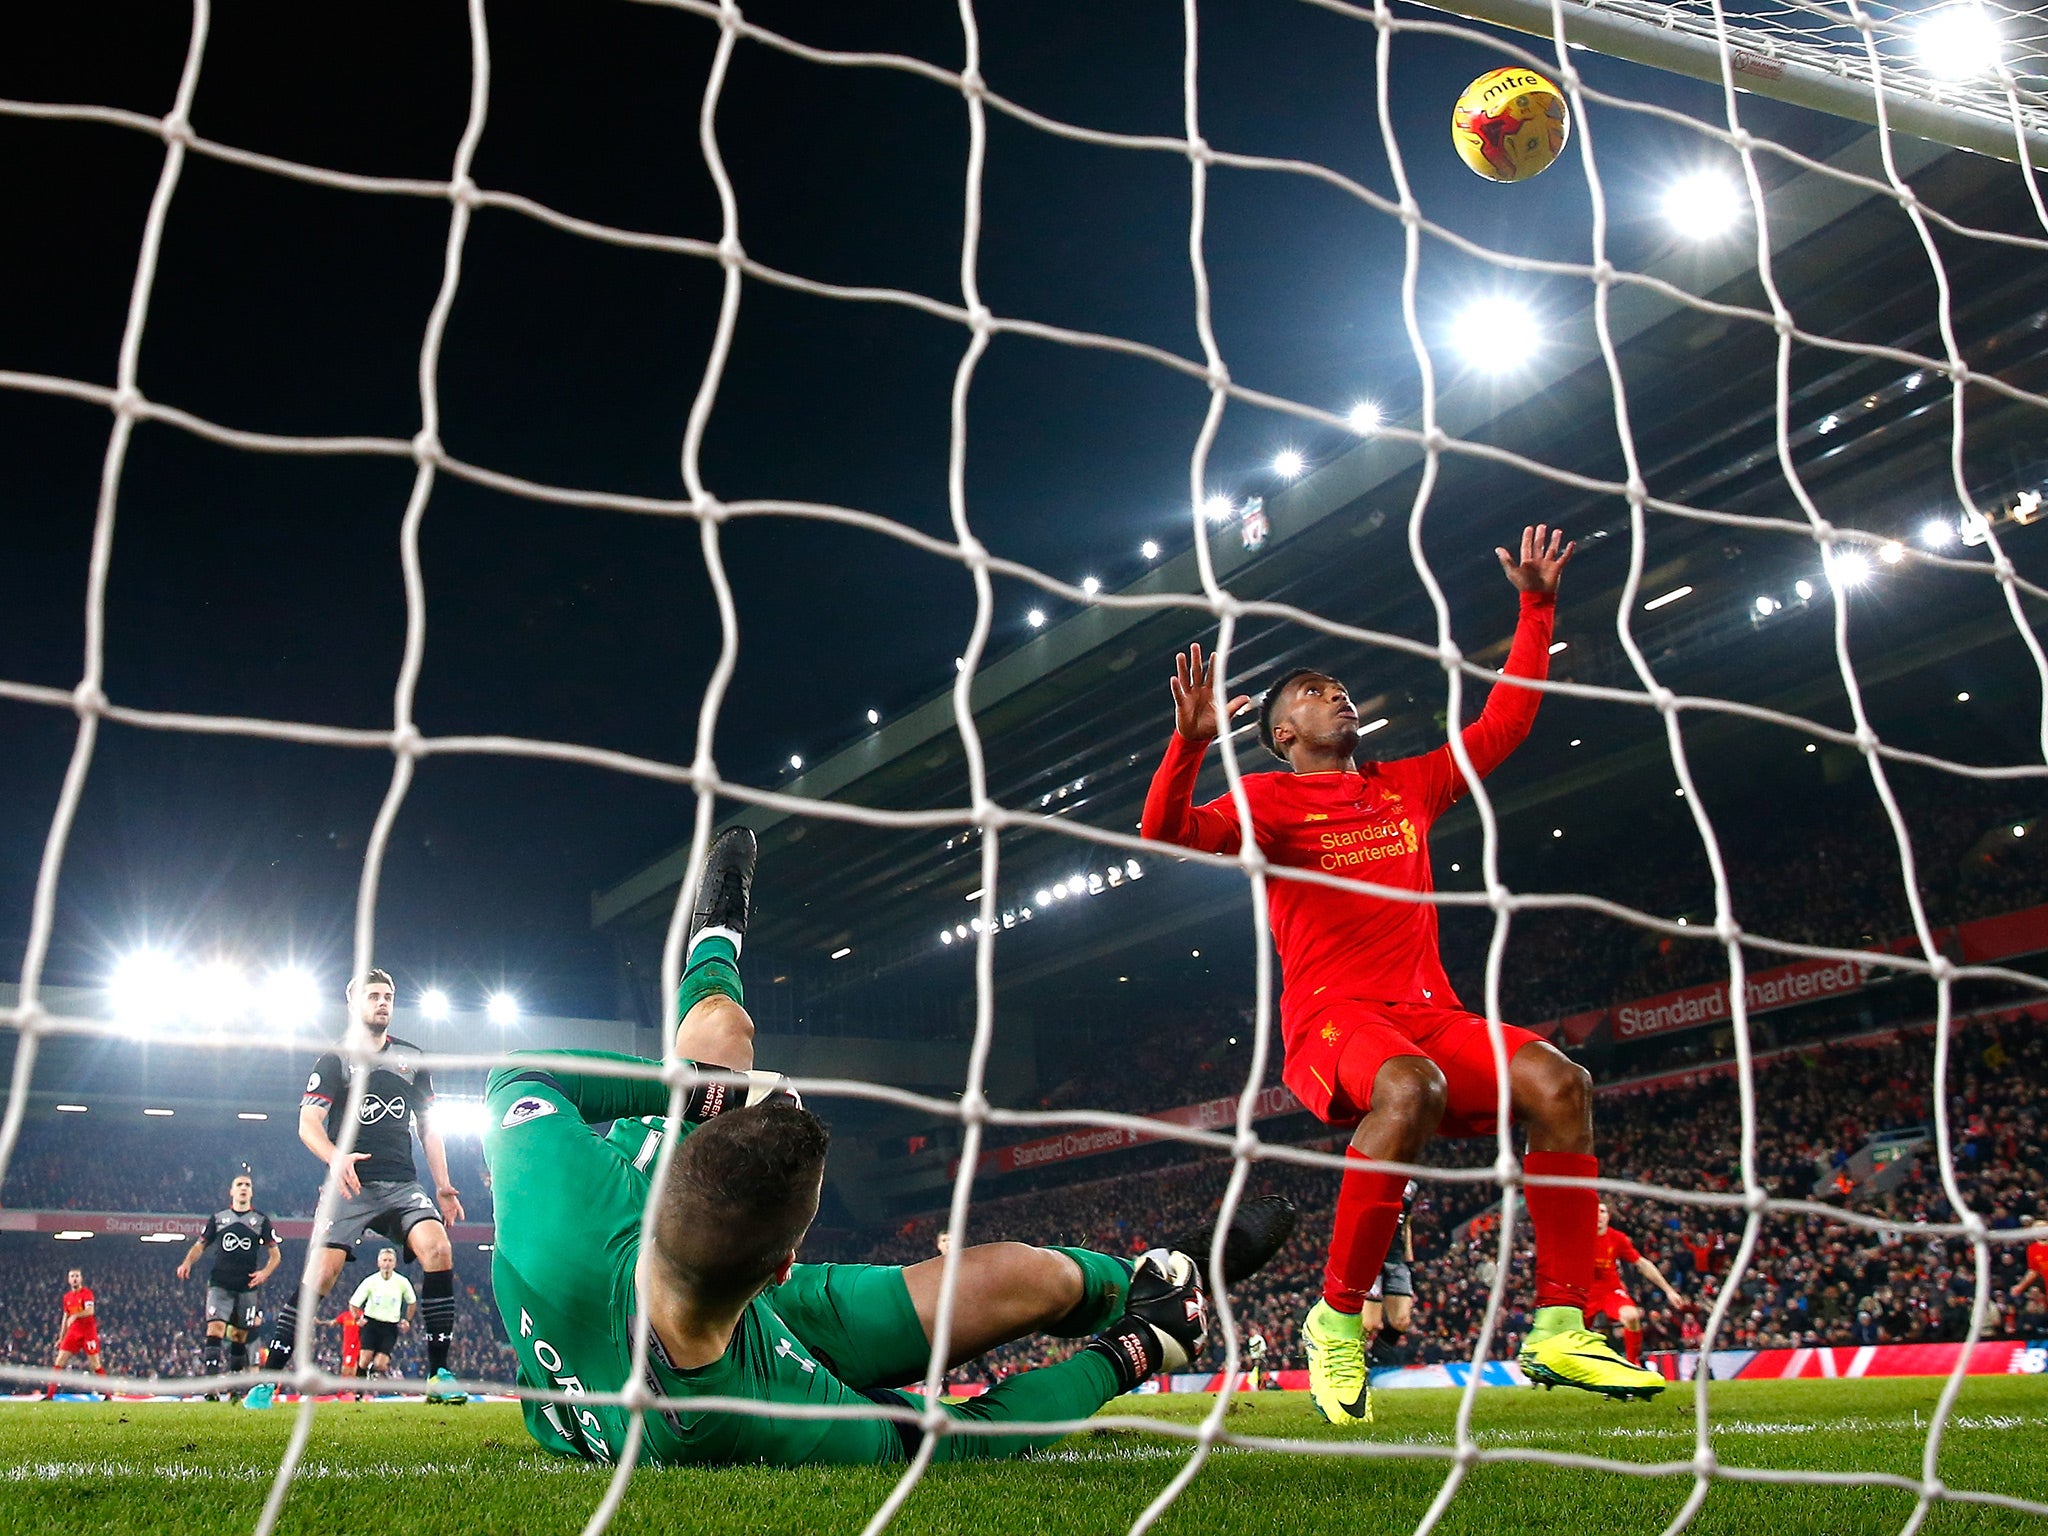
x=1786, y=64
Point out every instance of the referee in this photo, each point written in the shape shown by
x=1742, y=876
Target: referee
x=387, y=1303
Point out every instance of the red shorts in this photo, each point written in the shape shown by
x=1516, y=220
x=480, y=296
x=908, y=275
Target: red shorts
x=80, y=1339
x=1336, y=1051
x=1610, y=1302
x=351, y=1356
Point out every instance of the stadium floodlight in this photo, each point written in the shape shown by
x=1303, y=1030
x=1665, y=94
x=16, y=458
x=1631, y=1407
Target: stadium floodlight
x=160, y=1114
x=71, y=1236
x=1803, y=588
x=218, y=993
x=1891, y=552
x=71, y=1109
x=1963, y=697
x=842, y=952
x=1957, y=42
x=502, y=1008
x=1557, y=646
x=960, y=930
x=161, y=1237
x=288, y=998
x=1078, y=884
x=1667, y=599
x=1766, y=606
x=945, y=935
x=1041, y=896
x=251, y=1114
x=1557, y=831
x=1373, y=725
x=796, y=761
x=1219, y=508
x=2019, y=829
x=1812, y=747
x=1035, y=618
x=1851, y=567
x=1090, y=585
x=1288, y=464
x=1578, y=741
x=1497, y=333
x=1703, y=205
x=434, y=1004
x=147, y=989
x=874, y=717
x=1149, y=549
x=1134, y=869
x=1059, y=892
x=459, y=1117
x=1937, y=533
x=1364, y=416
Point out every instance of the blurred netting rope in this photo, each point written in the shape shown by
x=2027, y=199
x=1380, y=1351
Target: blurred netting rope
x=128, y=406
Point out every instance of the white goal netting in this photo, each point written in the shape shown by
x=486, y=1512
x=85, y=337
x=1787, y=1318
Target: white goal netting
x=1862, y=45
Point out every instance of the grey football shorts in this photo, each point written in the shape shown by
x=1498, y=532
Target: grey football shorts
x=237, y=1309
x=1395, y=1280
x=389, y=1210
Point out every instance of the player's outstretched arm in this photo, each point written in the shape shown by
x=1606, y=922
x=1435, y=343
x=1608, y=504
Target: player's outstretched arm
x=1534, y=571
x=1649, y=1271
x=1171, y=816
x=436, y=1154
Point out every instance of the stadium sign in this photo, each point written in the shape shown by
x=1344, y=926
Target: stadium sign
x=1804, y=981
x=1091, y=1141
x=2004, y=937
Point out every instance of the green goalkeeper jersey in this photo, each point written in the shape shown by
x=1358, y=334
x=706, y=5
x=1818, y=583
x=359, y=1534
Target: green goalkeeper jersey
x=569, y=1208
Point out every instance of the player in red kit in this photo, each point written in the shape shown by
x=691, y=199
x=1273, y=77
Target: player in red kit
x=1612, y=1249
x=1373, y=1033
x=78, y=1334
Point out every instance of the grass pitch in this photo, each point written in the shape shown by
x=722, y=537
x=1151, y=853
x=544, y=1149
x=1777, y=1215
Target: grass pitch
x=119, y=1468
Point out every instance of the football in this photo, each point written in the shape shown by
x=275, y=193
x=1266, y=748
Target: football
x=1509, y=124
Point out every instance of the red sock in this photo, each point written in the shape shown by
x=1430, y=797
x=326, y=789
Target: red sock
x=1564, y=1220
x=1368, y=1210
x=1632, y=1345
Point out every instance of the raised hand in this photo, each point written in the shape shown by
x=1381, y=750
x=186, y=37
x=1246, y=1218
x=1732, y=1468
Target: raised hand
x=1194, y=696
x=1543, y=559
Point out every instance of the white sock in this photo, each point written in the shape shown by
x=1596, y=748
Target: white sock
x=712, y=931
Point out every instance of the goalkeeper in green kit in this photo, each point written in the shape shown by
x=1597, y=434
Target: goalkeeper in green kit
x=730, y=1313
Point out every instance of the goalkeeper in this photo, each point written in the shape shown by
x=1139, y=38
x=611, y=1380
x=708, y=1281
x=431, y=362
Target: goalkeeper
x=730, y=1312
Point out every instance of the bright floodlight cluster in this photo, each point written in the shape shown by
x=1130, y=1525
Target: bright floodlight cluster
x=1958, y=42
x=1087, y=883
x=152, y=990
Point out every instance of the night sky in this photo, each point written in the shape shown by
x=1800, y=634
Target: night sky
x=269, y=585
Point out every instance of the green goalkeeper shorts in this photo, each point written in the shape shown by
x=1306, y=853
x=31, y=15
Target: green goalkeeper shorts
x=857, y=1319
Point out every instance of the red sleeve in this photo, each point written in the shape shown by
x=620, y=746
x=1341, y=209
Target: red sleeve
x=1624, y=1249
x=1170, y=813
x=1504, y=723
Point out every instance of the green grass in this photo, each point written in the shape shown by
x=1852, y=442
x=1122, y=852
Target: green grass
x=204, y=1468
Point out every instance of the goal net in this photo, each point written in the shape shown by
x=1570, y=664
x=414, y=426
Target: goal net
x=1965, y=75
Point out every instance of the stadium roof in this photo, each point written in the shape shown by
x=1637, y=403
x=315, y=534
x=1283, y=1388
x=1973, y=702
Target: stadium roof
x=1072, y=720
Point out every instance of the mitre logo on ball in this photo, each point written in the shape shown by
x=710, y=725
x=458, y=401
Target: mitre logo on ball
x=1509, y=124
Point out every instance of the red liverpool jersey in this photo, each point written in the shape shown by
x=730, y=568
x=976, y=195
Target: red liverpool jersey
x=75, y=1303
x=1610, y=1248
x=1372, y=824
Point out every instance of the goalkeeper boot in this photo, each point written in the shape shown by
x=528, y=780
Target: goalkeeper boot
x=1579, y=1357
x=442, y=1388
x=1165, y=1323
x=1338, y=1382
x=725, y=893
x=1259, y=1228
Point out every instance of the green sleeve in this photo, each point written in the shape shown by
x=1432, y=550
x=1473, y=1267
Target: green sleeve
x=594, y=1097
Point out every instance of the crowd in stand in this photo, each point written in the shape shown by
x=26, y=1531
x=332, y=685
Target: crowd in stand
x=151, y=1322
x=114, y=1160
x=1811, y=1280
